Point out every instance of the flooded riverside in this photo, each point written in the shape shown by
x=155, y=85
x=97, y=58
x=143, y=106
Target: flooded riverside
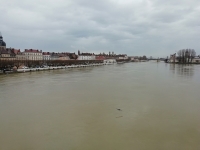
x=131, y=106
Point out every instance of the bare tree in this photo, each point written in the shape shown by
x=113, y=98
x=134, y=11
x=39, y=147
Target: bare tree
x=189, y=55
x=193, y=54
x=183, y=55
x=186, y=55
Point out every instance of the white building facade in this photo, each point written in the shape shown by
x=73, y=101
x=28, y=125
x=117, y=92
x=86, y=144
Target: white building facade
x=196, y=59
x=31, y=54
x=86, y=57
x=46, y=56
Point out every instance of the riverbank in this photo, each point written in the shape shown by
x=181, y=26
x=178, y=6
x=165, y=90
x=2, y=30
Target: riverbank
x=26, y=69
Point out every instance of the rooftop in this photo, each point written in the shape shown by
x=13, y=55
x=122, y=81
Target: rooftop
x=33, y=51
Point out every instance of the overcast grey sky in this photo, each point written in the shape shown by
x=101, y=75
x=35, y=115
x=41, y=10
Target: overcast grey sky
x=136, y=27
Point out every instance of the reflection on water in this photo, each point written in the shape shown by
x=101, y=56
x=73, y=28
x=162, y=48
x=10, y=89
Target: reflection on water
x=183, y=70
x=76, y=109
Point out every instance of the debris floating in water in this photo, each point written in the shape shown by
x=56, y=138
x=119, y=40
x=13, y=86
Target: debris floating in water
x=119, y=109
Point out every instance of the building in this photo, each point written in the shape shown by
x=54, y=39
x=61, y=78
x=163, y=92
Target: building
x=64, y=56
x=2, y=44
x=73, y=56
x=12, y=54
x=100, y=57
x=3, y=53
x=46, y=56
x=122, y=56
x=18, y=54
x=86, y=56
x=173, y=58
x=132, y=58
x=31, y=54
x=54, y=56
x=196, y=59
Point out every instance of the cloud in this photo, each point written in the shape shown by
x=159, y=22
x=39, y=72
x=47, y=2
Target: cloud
x=142, y=27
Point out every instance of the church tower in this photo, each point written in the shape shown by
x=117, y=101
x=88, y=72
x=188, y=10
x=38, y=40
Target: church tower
x=2, y=43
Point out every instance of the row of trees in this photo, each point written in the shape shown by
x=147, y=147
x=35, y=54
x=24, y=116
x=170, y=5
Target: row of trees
x=31, y=63
x=186, y=55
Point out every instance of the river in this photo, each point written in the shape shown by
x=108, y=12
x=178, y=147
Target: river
x=78, y=109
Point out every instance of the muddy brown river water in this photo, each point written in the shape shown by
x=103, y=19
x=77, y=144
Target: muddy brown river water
x=77, y=109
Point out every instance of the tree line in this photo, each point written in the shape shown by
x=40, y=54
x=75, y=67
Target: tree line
x=186, y=55
x=34, y=63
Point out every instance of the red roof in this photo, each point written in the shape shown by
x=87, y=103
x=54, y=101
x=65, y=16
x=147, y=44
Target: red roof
x=46, y=53
x=16, y=51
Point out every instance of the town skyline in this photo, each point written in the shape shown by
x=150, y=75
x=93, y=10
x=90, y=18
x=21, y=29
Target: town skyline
x=13, y=52
x=135, y=28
